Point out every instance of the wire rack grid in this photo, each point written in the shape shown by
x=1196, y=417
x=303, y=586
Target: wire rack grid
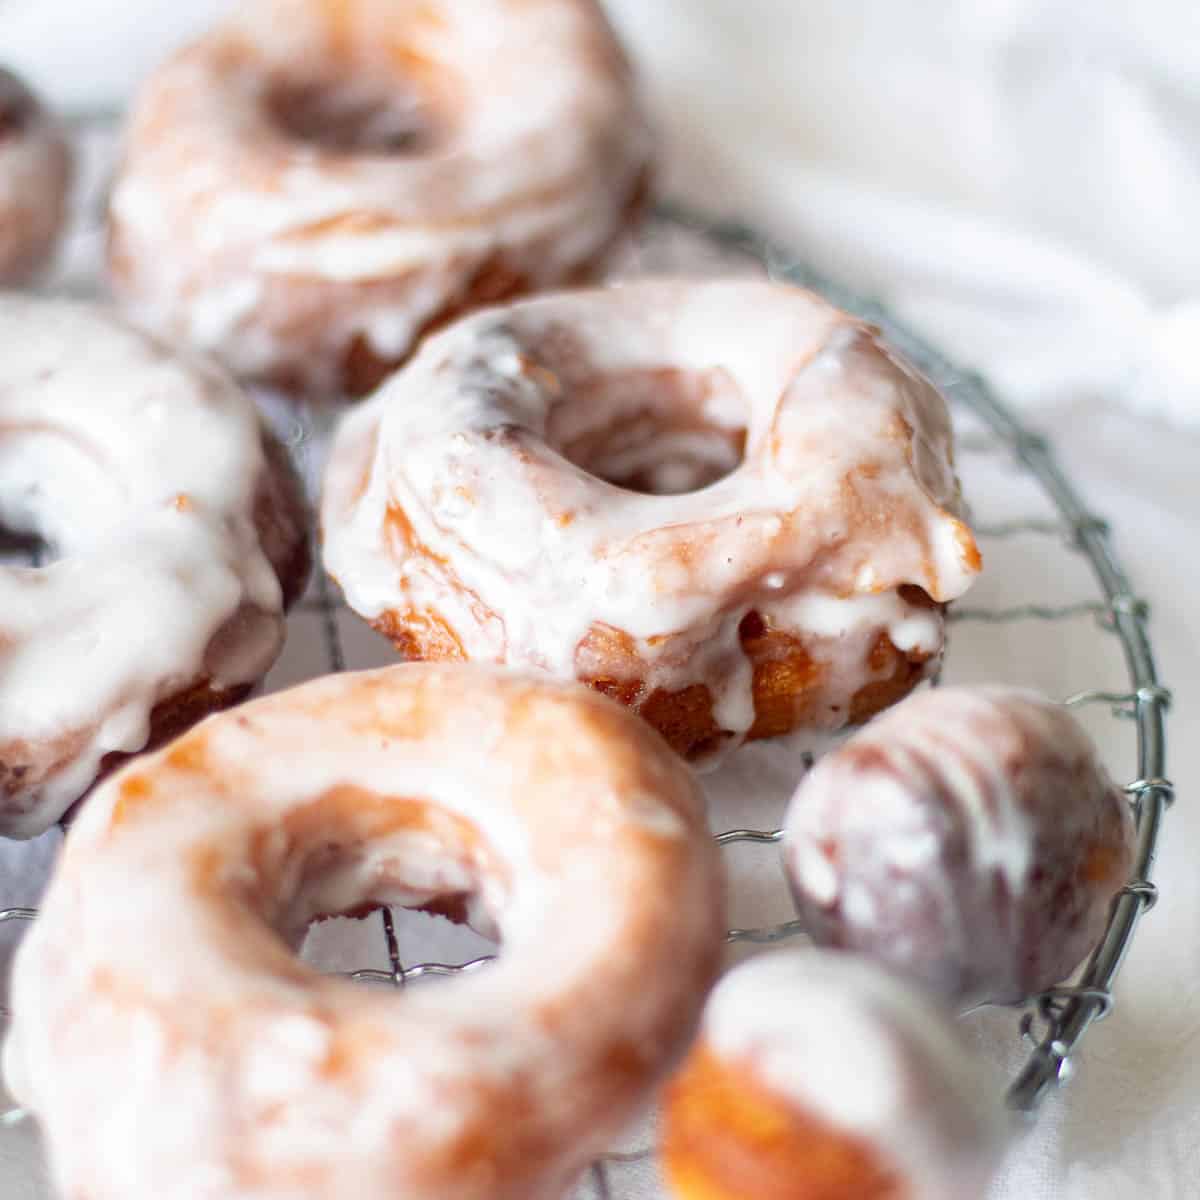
x=1053, y=1023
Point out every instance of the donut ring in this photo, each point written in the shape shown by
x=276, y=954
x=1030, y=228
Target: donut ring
x=818, y=1074
x=35, y=173
x=181, y=532
x=508, y=496
x=582, y=836
x=969, y=838
x=309, y=188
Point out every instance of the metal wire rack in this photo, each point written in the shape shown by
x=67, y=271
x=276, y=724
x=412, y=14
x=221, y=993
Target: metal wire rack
x=1053, y=1023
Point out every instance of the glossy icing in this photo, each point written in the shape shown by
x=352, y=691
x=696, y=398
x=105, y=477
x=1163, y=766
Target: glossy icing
x=861, y=1053
x=581, y=836
x=452, y=492
x=969, y=837
x=140, y=469
x=241, y=233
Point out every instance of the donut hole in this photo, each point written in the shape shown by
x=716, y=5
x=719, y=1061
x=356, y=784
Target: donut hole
x=659, y=431
x=21, y=547
x=17, y=106
x=429, y=947
x=348, y=115
x=57, y=496
x=353, y=853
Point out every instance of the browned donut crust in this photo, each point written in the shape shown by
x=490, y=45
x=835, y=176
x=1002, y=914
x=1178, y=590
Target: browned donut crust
x=786, y=677
x=362, y=369
x=727, y=1138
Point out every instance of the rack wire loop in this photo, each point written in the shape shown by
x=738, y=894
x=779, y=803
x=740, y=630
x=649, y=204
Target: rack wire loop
x=1142, y=890
x=1051, y=1003
x=1139, y=788
x=762, y=836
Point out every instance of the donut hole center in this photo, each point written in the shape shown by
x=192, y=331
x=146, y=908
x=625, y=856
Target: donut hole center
x=661, y=431
x=25, y=548
x=393, y=947
x=350, y=115
x=16, y=106
x=58, y=497
x=358, y=857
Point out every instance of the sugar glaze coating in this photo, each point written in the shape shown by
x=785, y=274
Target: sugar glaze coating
x=313, y=184
x=35, y=173
x=819, y=1074
x=968, y=837
x=177, y=540
x=631, y=485
x=563, y=816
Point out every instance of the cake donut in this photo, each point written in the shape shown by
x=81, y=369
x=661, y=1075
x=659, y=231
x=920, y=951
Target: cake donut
x=35, y=173
x=968, y=838
x=817, y=1076
x=315, y=183
x=723, y=503
x=247, y=1075
x=180, y=534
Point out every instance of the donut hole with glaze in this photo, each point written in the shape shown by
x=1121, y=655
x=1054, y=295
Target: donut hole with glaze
x=359, y=82
x=39, y=523
x=17, y=105
x=661, y=432
x=352, y=115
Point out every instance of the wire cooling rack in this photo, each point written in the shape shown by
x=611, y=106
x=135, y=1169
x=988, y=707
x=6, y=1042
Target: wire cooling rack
x=1053, y=1023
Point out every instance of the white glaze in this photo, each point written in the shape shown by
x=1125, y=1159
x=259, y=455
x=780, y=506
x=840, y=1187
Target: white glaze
x=140, y=469
x=586, y=842
x=974, y=735
x=537, y=552
x=954, y=811
x=34, y=176
x=854, y=1048
x=537, y=145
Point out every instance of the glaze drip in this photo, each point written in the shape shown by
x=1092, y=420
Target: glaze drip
x=488, y=484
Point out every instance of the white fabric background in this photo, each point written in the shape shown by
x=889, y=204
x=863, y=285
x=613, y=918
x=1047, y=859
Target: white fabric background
x=1021, y=178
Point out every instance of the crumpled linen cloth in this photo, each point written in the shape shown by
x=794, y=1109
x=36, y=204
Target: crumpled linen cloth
x=1019, y=179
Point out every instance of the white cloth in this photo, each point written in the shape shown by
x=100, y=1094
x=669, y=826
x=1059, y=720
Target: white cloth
x=1020, y=178
x=1018, y=175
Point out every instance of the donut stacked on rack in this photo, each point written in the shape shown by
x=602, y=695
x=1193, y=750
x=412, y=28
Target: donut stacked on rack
x=246, y=1074
x=818, y=1076
x=724, y=503
x=969, y=838
x=179, y=537
x=311, y=186
x=965, y=847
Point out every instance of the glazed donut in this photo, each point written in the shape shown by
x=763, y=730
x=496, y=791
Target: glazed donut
x=246, y=1075
x=722, y=503
x=818, y=1076
x=35, y=173
x=180, y=532
x=310, y=187
x=969, y=838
